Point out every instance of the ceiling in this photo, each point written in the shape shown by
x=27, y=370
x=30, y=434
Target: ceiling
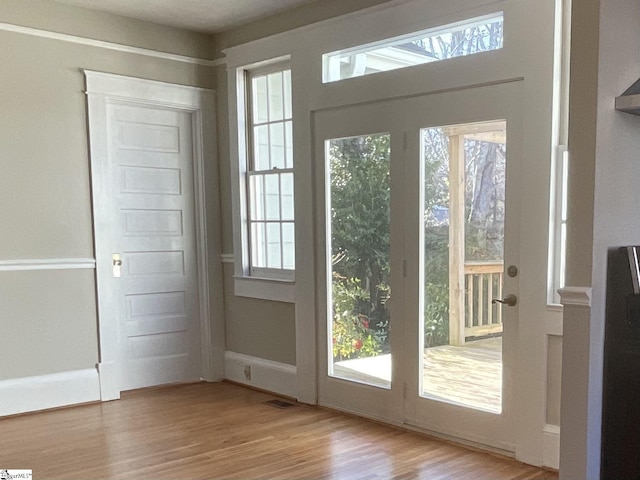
x=209, y=16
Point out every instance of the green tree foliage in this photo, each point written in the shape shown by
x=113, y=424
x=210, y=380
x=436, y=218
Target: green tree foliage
x=435, y=146
x=360, y=216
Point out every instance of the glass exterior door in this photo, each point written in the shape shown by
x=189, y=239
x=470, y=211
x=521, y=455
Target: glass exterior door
x=418, y=216
x=461, y=321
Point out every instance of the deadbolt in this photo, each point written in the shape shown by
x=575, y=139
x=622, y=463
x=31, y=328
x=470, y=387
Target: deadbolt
x=510, y=300
x=512, y=271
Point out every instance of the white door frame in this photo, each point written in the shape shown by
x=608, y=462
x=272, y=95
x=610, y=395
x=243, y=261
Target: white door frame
x=102, y=88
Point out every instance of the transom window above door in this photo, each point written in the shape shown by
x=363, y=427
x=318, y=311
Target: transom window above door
x=467, y=37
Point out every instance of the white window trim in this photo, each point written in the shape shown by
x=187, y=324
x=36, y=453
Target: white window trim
x=560, y=158
x=558, y=223
x=257, y=286
x=265, y=289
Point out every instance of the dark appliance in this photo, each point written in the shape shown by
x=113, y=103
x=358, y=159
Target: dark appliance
x=621, y=377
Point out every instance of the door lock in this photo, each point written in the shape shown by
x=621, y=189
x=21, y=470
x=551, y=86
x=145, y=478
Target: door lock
x=117, y=265
x=510, y=300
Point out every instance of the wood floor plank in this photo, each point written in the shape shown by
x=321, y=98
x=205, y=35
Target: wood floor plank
x=204, y=431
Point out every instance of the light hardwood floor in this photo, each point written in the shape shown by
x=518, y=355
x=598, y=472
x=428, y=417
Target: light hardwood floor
x=226, y=431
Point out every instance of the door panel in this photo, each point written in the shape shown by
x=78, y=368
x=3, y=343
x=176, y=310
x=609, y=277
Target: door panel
x=468, y=210
x=359, y=261
x=153, y=232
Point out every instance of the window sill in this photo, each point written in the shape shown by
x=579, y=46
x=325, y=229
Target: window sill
x=265, y=289
x=555, y=307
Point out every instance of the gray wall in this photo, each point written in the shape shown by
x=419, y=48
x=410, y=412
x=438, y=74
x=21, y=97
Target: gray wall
x=48, y=318
x=47, y=322
x=257, y=327
x=610, y=141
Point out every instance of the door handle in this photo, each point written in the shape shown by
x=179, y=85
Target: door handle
x=117, y=264
x=510, y=300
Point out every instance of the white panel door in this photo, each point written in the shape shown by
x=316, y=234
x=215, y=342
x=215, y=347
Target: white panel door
x=150, y=241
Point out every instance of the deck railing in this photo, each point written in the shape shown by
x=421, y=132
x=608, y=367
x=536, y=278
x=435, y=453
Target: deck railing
x=483, y=282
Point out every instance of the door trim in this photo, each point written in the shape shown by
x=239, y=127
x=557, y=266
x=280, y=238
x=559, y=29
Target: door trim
x=102, y=88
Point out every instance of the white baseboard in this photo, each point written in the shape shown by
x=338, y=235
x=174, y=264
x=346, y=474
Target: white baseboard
x=551, y=446
x=109, y=381
x=267, y=375
x=30, y=394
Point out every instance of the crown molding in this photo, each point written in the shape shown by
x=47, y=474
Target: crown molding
x=118, y=47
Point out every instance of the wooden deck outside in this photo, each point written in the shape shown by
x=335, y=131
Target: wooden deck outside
x=469, y=375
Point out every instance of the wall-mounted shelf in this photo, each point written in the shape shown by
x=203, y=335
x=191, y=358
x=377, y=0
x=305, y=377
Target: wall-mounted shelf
x=629, y=101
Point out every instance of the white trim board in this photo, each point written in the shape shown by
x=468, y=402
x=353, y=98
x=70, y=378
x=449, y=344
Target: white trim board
x=267, y=375
x=265, y=289
x=577, y=296
x=551, y=446
x=47, y=264
x=48, y=391
x=141, y=90
x=118, y=47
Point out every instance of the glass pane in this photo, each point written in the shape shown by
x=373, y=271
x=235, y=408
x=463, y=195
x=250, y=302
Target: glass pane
x=288, y=246
x=277, y=145
x=472, y=36
x=261, y=148
x=286, y=196
x=258, y=245
x=289, y=144
x=274, y=248
x=359, y=200
x=276, y=99
x=257, y=197
x=260, y=99
x=463, y=264
x=287, y=94
x=272, y=196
